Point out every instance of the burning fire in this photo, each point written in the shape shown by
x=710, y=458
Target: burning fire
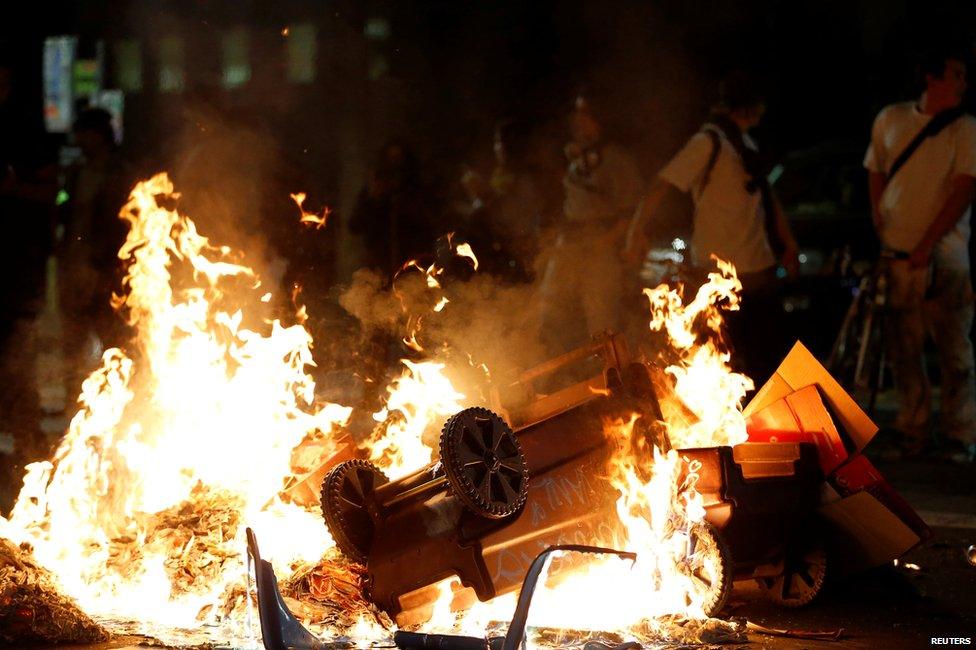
x=202, y=413
x=201, y=405
x=703, y=382
x=420, y=398
x=679, y=572
x=309, y=218
x=430, y=273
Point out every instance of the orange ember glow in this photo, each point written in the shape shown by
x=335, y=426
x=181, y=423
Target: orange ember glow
x=202, y=411
x=309, y=218
x=199, y=404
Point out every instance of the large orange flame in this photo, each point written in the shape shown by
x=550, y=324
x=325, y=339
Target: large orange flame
x=703, y=380
x=208, y=405
x=658, y=508
x=200, y=403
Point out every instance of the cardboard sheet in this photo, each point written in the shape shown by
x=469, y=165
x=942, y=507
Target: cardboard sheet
x=800, y=417
x=874, y=535
x=872, y=522
x=801, y=369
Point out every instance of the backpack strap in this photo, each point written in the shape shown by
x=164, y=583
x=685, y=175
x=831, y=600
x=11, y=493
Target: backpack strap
x=758, y=176
x=934, y=127
x=712, y=157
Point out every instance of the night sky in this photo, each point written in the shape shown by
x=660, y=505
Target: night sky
x=830, y=64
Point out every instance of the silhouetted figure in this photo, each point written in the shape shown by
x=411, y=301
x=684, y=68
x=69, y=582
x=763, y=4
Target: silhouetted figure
x=582, y=285
x=88, y=262
x=921, y=199
x=394, y=213
x=737, y=218
x=505, y=213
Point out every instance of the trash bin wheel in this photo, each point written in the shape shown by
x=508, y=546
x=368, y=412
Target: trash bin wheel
x=802, y=578
x=484, y=463
x=709, y=565
x=348, y=506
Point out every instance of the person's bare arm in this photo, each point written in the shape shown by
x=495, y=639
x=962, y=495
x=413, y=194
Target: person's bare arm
x=637, y=244
x=876, y=186
x=960, y=197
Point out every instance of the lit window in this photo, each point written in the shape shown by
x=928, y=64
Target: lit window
x=87, y=77
x=127, y=65
x=171, y=58
x=237, y=69
x=377, y=29
x=59, y=57
x=302, y=51
x=112, y=101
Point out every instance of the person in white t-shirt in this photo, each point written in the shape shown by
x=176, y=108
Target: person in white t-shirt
x=721, y=168
x=921, y=213
x=583, y=279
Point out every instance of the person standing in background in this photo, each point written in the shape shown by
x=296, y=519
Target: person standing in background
x=506, y=212
x=922, y=177
x=583, y=279
x=737, y=218
x=88, y=262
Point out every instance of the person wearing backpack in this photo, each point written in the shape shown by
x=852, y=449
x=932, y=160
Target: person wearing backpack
x=737, y=218
x=922, y=176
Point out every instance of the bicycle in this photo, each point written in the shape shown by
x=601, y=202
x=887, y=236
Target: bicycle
x=857, y=357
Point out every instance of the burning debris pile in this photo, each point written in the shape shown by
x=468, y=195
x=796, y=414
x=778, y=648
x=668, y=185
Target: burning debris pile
x=196, y=537
x=33, y=609
x=681, y=632
x=155, y=520
x=178, y=440
x=329, y=594
x=195, y=433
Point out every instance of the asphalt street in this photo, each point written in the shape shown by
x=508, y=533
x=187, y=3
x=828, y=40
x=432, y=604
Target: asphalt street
x=897, y=606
